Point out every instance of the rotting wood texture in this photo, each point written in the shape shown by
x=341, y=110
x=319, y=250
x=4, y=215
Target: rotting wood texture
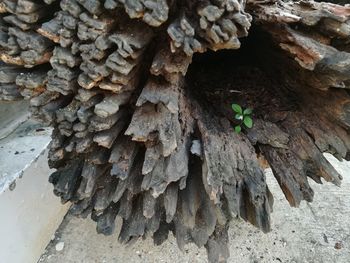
x=142, y=133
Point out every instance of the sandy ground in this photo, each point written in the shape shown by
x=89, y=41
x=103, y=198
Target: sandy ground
x=316, y=232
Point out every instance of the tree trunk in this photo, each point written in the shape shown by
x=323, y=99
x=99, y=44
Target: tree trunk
x=140, y=104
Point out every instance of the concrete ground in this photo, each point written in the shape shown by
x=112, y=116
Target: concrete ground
x=29, y=212
x=316, y=232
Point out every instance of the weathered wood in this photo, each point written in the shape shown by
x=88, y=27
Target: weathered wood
x=143, y=127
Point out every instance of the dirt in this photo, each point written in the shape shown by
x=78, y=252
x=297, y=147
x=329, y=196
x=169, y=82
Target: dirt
x=216, y=80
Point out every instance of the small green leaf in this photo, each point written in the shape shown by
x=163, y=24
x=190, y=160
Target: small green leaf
x=248, y=122
x=247, y=111
x=239, y=116
x=238, y=129
x=237, y=108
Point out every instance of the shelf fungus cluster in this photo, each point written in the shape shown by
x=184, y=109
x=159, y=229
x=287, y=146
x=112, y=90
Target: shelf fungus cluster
x=140, y=106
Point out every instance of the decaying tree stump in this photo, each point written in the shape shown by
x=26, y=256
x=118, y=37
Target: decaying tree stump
x=142, y=125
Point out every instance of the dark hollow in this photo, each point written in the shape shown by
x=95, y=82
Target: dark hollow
x=244, y=76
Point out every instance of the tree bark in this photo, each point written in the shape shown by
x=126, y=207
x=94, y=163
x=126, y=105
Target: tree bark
x=140, y=97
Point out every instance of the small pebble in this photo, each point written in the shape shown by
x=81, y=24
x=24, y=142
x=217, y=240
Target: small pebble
x=338, y=245
x=59, y=246
x=12, y=186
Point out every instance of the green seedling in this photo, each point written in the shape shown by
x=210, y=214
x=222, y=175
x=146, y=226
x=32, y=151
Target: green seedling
x=243, y=116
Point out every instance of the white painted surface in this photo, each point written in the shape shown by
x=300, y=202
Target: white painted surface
x=19, y=149
x=30, y=214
